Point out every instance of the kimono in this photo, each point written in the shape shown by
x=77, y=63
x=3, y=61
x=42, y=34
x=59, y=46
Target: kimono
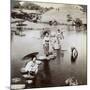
x=32, y=66
x=46, y=42
x=55, y=43
x=60, y=38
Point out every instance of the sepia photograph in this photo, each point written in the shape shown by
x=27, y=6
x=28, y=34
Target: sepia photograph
x=48, y=44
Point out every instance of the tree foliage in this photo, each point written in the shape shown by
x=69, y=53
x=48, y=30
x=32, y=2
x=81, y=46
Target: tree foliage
x=78, y=22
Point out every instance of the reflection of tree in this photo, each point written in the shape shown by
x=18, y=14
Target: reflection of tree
x=77, y=21
x=84, y=8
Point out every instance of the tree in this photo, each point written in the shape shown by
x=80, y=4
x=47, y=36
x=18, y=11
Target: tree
x=15, y=4
x=84, y=8
x=78, y=22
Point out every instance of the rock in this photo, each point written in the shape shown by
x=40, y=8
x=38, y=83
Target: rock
x=71, y=81
x=26, y=76
x=17, y=86
x=29, y=81
x=23, y=71
x=16, y=80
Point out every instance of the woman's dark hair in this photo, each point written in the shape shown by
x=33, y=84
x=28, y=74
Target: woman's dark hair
x=58, y=29
x=46, y=32
x=33, y=56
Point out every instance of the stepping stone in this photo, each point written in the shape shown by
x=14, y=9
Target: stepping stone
x=16, y=80
x=26, y=76
x=23, y=71
x=17, y=86
x=50, y=57
x=29, y=81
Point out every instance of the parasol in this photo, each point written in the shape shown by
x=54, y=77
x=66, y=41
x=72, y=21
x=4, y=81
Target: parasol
x=28, y=76
x=31, y=55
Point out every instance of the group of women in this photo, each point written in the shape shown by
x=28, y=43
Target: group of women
x=52, y=41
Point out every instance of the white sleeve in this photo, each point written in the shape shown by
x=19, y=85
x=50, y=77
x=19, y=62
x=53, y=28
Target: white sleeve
x=43, y=41
x=27, y=67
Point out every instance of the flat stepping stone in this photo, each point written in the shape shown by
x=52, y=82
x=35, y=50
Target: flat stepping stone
x=26, y=76
x=43, y=58
x=29, y=81
x=23, y=71
x=17, y=86
x=16, y=80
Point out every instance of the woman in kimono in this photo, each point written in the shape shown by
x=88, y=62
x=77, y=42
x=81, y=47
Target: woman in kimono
x=46, y=42
x=54, y=44
x=60, y=37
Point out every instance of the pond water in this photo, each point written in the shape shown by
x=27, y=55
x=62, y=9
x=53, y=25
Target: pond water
x=56, y=71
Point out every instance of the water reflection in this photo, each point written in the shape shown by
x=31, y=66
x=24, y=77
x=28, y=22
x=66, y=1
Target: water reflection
x=43, y=78
x=62, y=67
x=19, y=31
x=46, y=79
x=58, y=55
x=12, y=35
